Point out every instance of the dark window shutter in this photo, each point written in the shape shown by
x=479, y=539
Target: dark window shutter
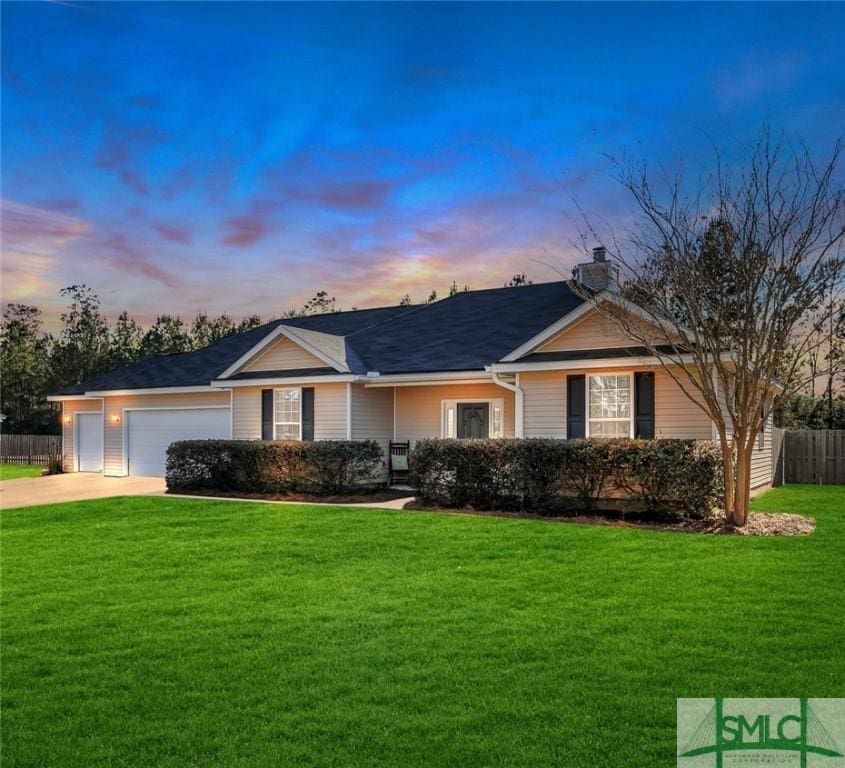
x=266, y=414
x=308, y=413
x=576, y=407
x=644, y=398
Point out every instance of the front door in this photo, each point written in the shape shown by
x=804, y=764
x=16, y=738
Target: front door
x=473, y=420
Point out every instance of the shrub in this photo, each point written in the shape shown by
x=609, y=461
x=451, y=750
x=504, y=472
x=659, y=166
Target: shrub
x=663, y=477
x=463, y=473
x=671, y=477
x=587, y=468
x=320, y=467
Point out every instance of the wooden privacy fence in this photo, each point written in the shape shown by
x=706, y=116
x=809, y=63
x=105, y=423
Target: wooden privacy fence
x=814, y=456
x=30, y=449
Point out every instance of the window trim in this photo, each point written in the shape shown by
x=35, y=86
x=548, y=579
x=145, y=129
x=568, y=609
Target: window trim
x=632, y=415
x=275, y=420
x=492, y=402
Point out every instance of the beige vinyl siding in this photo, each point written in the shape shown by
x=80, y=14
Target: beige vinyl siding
x=113, y=430
x=545, y=405
x=761, y=458
x=674, y=414
x=419, y=409
x=329, y=412
x=283, y=355
x=372, y=414
x=246, y=413
x=372, y=417
x=69, y=407
x=594, y=331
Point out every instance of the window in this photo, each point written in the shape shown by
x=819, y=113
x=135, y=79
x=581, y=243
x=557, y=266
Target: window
x=609, y=406
x=287, y=415
x=761, y=438
x=496, y=420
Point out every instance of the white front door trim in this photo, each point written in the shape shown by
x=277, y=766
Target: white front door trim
x=493, y=402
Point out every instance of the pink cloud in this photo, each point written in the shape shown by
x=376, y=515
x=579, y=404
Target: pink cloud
x=124, y=148
x=173, y=232
x=123, y=253
x=62, y=204
x=245, y=230
x=34, y=239
x=353, y=196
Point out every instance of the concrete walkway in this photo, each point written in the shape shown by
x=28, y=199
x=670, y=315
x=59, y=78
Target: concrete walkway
x=80, y=486
x=74, y=486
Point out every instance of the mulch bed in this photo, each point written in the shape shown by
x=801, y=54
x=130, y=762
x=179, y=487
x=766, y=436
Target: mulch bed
x=758, y=524
x=368, y=497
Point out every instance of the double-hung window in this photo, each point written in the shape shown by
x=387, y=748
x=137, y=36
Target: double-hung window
x=610, y=406
x=287, y=415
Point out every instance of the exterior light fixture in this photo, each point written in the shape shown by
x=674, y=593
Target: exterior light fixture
x=115, y=418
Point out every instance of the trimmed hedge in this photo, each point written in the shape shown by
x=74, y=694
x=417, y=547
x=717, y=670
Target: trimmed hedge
x=666, y=478
x=319, y=467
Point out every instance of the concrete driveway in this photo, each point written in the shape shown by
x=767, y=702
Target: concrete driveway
x=74, y=486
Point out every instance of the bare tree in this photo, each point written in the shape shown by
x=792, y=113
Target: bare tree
x=723, y=282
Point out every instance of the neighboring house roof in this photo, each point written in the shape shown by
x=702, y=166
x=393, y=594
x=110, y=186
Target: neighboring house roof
x=466, y=332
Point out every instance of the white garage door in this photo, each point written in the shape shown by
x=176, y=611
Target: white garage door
x=89, y=442
x=148, y=433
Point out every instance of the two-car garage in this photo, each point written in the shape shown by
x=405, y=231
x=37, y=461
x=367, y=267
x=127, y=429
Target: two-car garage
x=130, y=437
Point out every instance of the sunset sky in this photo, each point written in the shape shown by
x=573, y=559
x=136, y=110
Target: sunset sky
x=239, y=157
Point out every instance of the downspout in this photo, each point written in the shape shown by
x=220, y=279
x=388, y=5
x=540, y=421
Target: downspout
x=519, y=428
x=348, y=410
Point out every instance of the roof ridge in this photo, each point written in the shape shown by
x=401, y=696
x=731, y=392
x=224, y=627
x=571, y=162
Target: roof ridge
x=413, y=308
x=501, y=288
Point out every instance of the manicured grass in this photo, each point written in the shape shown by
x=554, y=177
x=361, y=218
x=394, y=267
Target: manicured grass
x=171, y=632
x=14, y=471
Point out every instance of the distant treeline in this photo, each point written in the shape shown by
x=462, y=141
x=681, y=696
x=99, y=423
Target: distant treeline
x=36, y=363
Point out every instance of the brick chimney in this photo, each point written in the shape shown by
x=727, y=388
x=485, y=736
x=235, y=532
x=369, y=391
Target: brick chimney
x=598, y=274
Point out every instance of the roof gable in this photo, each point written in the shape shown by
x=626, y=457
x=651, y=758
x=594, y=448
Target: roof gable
x=590, y=331
x=291, y=347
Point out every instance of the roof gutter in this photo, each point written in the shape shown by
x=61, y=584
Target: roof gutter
x=274, y=381
x=375, y=379
x=98, y=393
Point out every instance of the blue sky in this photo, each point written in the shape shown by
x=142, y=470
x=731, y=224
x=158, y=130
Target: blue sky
x=240, y=157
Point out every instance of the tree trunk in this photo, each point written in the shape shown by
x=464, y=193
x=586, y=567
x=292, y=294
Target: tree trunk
x=742, y=486
x=728, y=472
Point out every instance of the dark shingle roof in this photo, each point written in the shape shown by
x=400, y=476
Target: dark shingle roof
x=464, y=332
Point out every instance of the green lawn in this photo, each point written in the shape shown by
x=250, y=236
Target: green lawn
x=14, y=471
x=171, y=632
